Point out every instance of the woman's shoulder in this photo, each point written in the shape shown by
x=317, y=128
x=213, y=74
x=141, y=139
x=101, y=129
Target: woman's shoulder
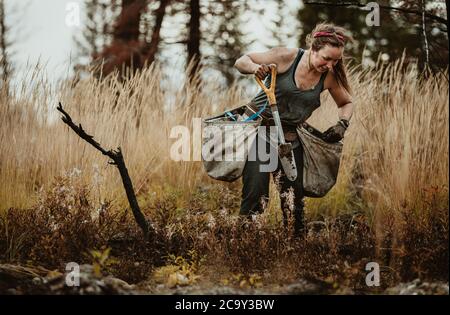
x=286, y=53
x=286, y=57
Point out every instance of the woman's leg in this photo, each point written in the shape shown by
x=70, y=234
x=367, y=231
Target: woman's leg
x=291, y=193
x=255, y=189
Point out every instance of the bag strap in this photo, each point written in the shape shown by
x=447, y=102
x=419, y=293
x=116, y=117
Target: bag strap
x=230, y=115
x=257, y=114
x=311, y=130
x=252, y=117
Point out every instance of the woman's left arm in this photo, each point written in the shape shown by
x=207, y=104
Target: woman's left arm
x=343, y=101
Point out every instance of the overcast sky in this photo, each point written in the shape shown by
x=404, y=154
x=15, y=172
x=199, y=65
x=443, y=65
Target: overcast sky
x=39, y=30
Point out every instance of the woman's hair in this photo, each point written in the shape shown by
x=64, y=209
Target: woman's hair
x=330, y=34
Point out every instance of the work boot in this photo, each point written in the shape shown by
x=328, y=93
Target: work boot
x=299, y=226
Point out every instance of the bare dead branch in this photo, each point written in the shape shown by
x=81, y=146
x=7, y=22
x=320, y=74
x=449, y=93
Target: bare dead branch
x=117, y=160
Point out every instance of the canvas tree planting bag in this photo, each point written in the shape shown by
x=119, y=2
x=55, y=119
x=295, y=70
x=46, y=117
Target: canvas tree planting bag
x=226, y=141
x=320, y=161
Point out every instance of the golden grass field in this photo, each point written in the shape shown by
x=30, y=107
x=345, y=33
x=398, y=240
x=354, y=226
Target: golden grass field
x=394, y=171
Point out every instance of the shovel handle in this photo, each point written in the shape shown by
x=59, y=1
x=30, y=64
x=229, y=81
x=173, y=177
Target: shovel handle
x=270, y=92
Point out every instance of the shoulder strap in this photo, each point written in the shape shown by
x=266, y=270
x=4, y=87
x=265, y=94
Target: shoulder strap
x=322, y=80
x=296, y=60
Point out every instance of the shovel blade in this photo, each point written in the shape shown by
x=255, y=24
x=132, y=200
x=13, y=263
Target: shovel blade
x=287, y=160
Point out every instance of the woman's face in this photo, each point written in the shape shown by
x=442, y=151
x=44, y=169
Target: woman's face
x=324, y=59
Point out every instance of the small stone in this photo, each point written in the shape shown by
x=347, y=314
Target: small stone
x=12, y=291
x=36, y=281
x=411, y=287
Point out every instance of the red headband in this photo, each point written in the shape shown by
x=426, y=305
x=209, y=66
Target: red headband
x=328, y=34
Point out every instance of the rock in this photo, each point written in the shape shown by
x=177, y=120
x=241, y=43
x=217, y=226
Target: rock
x=216, y=290
x=42, y=281
x=9, y=272
x=303, y=286
x=90, y=284
x=12, y=291
x=112, y=282
x=417, y=287
x=312, y=286
x=37, y=280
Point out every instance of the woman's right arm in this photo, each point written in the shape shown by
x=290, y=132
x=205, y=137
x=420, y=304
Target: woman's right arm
x=258, y=63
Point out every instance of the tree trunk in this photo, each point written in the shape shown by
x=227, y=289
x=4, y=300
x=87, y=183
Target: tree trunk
x=3, y=45
x=193, y=44
x=156, y=33
x=93, y=34
x=127, y=26
x=125, y=51
x=446, y=7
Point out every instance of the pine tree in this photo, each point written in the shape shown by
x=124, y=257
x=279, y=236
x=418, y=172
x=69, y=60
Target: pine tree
x=223, y=36
x=97, y=31
x=135, y=41
x=152, y=25
x=283, y=26
x=193, y=42
x=5, y=66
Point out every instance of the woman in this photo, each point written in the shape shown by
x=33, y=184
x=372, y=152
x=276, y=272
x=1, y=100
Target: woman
x=301, y=76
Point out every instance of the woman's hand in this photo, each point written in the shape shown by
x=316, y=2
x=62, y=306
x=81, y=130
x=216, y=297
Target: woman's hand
x=262, y=71
x=336, y=132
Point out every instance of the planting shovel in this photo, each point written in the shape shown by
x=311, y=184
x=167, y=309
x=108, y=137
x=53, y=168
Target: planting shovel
x=284, y=149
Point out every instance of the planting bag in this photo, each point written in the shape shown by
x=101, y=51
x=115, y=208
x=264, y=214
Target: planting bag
x=226, y=140
x=320, y=161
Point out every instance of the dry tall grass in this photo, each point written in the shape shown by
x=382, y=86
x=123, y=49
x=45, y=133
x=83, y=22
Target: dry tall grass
x=394, y=167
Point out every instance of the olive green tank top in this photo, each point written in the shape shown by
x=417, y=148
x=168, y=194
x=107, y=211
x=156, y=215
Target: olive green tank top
x=294, y=105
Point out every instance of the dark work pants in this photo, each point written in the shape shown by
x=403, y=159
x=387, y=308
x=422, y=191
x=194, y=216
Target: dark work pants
x=255, y=190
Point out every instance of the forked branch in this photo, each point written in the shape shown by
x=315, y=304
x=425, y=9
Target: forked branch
x=117, y=159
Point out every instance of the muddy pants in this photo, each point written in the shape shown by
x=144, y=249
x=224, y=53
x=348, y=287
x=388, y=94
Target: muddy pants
x=255, y=190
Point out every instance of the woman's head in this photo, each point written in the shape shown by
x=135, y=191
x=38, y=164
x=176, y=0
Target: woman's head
x=326, y=43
